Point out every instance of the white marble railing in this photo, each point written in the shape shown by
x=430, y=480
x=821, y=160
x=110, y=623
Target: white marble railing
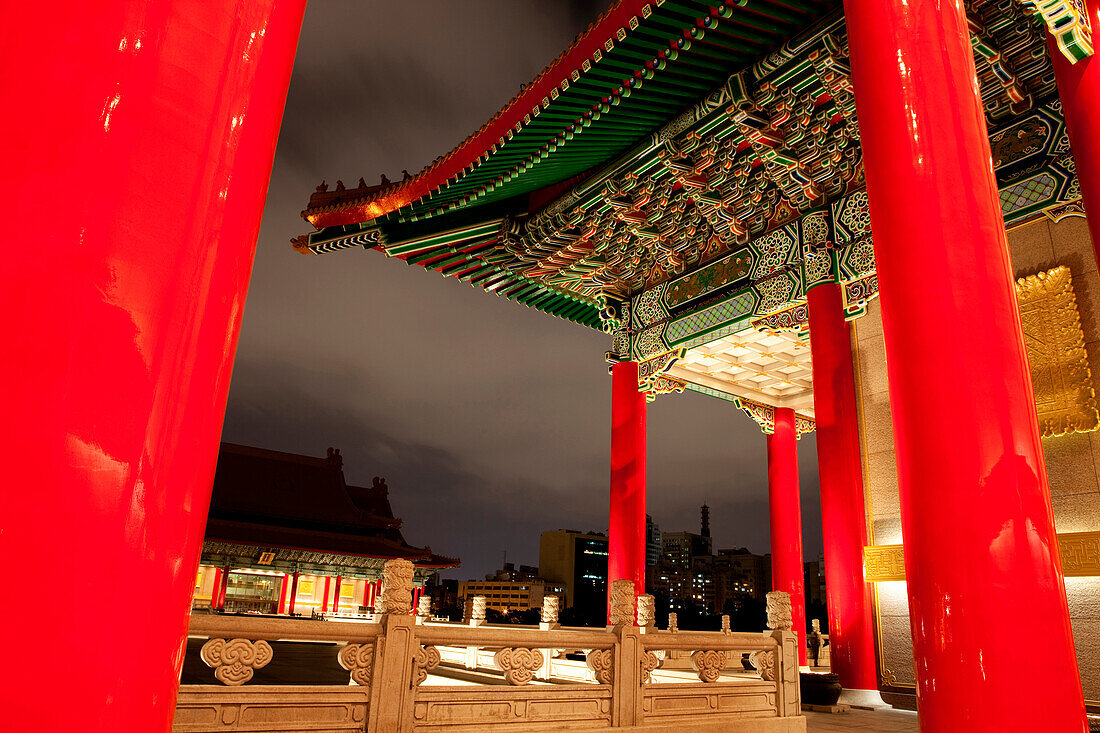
x=493, y=678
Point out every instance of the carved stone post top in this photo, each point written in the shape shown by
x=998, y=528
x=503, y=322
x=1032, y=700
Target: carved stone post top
x=477, y=608
x=647, y=611
x=673, y=620
x=726, y=628
x=622, y=603
x=779, y=611
x=550, y=609
x=397, y=586
x=816, y=625
x=424, y=606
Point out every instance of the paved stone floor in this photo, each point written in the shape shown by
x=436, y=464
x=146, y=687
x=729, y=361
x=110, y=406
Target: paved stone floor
x=878, y=721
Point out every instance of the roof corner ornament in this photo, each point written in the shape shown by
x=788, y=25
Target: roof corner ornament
x=1067, y=21
x=333, y=457
x=301, y=245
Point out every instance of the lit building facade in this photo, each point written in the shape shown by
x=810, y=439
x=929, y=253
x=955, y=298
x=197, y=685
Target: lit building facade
x=510, y=595
x=287, y=535
x=577, y=562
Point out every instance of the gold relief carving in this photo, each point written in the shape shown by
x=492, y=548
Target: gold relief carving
x=1064, y=397
x=883, y=562
x=1080, y=553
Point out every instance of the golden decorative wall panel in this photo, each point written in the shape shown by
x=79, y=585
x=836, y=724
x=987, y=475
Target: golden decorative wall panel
x=1064, y=397
x=1080, y=558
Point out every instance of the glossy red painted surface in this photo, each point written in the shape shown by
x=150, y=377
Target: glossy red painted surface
x=336, y=596
x=626, y=540
x=137, y=143
x=223, y=589
x=324, y=598
x=215, y=591
x=785, y=506
x=293, y=593
x=282, y=593
x=981, y=555
x=1079, y=89
x=848, y=596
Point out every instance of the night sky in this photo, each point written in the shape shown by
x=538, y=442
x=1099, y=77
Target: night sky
x=490, y=421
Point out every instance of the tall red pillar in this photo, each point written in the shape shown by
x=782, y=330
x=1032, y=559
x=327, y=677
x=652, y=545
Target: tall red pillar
x=282, y=593
x=785, y=506
x=324, y=598
x=626, y=541
x=138, y=147
x=293, y=593
x=1079, y=89
x=981, y=556
x=843, y=517
x=336, y=596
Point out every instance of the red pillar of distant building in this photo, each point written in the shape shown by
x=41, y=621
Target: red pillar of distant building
x=324, y=598
x=1079, y=89
x=223, y=590
x=216, y=589
x=626, y=541
x=843, y=518
x=336, y=596
x=981, y=555
x=282, y=593
x=137, y=145
x=293, y=593
x=785, y=506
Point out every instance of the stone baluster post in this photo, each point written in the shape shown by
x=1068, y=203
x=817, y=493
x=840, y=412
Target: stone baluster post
x=393, y=686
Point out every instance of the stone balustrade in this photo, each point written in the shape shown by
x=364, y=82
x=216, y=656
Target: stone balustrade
x=619, y=684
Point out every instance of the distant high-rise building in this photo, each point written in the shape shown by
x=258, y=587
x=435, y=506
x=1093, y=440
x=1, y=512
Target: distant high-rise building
x=578, y=562
x=679, y=547
x=652, y=542
x=705, y=524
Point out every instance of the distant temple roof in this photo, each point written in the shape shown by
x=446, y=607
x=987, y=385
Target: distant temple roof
x=266, y=498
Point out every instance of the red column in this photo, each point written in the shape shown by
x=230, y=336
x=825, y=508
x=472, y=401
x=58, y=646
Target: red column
x=336, y=596
x=216, y=590
x=417, y=592
x=282, y=594
x=626, y=541
x=324, y=598
x=1079, y=89
x=843, y=518
x=294, y=592
x=785, y=504
x=981, y=556
x=139, y=152
x=224, y=589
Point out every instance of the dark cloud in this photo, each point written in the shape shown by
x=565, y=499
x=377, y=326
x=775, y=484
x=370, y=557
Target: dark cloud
x=490, y=421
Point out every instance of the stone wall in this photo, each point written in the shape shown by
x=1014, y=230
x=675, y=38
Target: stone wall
x=1073, y=461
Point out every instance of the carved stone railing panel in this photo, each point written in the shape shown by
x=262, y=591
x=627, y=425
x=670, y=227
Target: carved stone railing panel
x=649, y=662
x=390, y=661
x=425, y=659
x=602, y=664
x=764, y=662
x=235, y=660
x=709, y=664
x=359, y=660
x=518, y=664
